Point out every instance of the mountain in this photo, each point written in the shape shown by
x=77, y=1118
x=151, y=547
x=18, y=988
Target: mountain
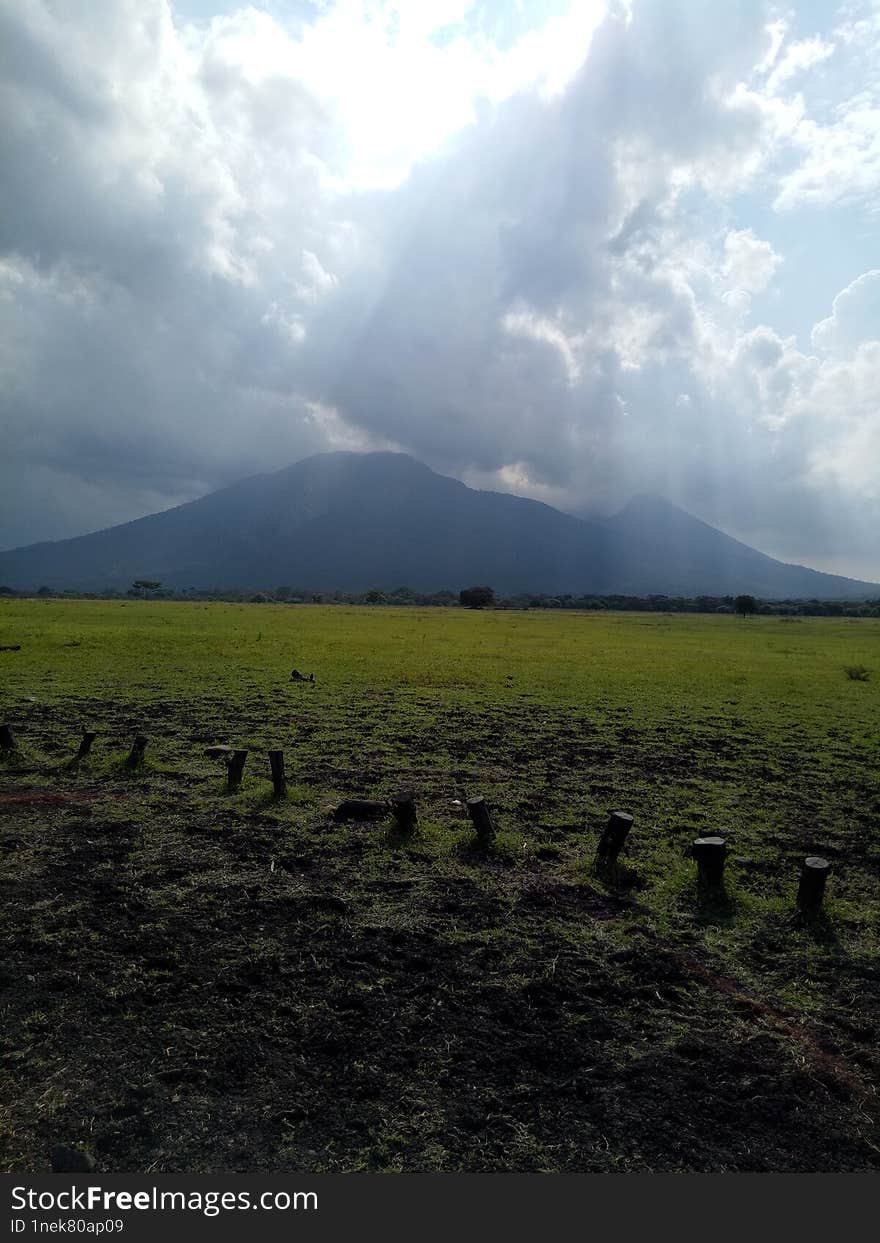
x=351, y=521
x=665, y=550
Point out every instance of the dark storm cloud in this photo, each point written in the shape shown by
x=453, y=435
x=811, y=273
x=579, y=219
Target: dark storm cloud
x=530, y=216
x=190, y=291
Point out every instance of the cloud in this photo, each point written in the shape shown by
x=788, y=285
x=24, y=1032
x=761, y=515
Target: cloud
x=837, y=148
x=518, y=255
x=749, y=262
x=845, y=401
x=855, y=315
x=797, y=58
x=841, y=163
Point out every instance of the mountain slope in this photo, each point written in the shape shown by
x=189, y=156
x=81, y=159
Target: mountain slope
x=352, y=521
x=341, y=520
x=666, y=550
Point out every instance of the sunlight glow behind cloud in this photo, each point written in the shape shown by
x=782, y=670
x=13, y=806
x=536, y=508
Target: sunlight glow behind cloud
x=551, y=246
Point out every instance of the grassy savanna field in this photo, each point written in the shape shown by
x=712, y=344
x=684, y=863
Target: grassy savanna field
x=197, y=980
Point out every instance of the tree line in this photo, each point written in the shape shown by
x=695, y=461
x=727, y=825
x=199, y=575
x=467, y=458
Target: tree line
x=485, y=597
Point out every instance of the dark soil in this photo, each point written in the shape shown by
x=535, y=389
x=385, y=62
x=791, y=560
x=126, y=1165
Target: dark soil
x=194, y=981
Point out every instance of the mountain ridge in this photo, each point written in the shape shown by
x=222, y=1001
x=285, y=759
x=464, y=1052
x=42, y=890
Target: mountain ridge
x=350, y=521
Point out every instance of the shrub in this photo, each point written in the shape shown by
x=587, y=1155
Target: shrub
x=476, y=597
x=857, y=673
x=745, y=605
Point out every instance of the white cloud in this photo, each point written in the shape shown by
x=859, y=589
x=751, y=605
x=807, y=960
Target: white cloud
x=797, y=58
x=841, y=161
x=228, y=245
x=845, y=401
x=855, y=315
x=749, y=262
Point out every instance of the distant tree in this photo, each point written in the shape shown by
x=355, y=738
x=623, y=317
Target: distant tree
x=375, y=596
x=143, y=585
x=745, y=605
x=476, y=597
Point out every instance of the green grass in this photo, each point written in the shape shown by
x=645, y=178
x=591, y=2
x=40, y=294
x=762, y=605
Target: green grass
x=506, y=1010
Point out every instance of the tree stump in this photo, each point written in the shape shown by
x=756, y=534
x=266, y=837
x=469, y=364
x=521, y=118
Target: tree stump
x=404, y=808
x=814, y=873
x=481, y=820
x=85, y=745
x=136, y=754
x=7, y=738
x=235, y=768
x=710, y=854
x=613, y=836
x=279, y=781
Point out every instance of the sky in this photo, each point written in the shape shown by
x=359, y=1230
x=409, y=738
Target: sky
x=574, y=251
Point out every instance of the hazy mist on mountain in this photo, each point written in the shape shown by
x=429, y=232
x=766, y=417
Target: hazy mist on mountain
x=350, y=521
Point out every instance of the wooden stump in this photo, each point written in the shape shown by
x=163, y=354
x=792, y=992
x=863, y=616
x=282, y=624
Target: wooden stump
x=85, y=745
x=481, y=820
x=814, y=873
x=7, y=738
x=710, y=854
x=235, y=768
x=136, y=754
x=613, y=836
x=279, y=781
x=404, y=808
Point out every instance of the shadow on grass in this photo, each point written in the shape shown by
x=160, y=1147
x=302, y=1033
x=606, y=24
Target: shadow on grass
x=715, y=905
x=266, y=798
x=224, y=790
x=80, y=763
x=399, y=837
x=818, y=926
x=126, y=764
x=617, y=876
x=14, y=757
x=504, y=850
